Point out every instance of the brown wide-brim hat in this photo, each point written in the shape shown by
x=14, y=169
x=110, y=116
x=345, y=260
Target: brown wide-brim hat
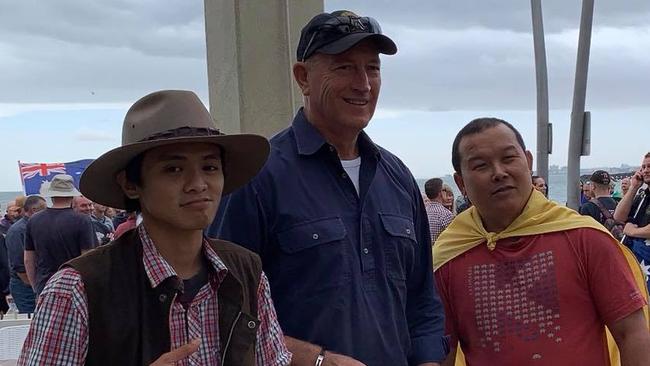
x=164, y=118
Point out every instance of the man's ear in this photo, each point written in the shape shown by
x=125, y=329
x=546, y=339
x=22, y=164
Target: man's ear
x=460, y=183
x=529, y=157
x=300, y=75
x=130, y=189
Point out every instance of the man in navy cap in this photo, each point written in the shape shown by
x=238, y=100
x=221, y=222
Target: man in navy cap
x=339, y=221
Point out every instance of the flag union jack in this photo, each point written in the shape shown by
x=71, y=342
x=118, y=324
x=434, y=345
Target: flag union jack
x=29, y=170
x=34, y=175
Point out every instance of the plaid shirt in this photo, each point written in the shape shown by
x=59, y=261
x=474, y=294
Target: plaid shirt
x=439, y=218
x=59, y=330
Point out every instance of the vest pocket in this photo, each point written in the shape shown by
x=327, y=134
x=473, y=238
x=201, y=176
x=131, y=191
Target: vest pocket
x=400, y=245
x=239, y=347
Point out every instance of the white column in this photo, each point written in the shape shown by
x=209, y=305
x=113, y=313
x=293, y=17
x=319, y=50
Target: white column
x=251, y=47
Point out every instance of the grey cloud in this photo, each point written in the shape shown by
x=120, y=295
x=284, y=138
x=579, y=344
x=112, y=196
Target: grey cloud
x=164, y=28
x=100, y=51
x=63, y=72
x=454, y=55
x=487, y=69
x=495, y=14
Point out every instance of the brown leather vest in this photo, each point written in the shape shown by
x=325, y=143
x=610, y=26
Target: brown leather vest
x=129, y=321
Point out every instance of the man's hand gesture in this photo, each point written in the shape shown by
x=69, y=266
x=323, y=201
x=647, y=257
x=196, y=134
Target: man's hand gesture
x=170, y=358
x=636, y=181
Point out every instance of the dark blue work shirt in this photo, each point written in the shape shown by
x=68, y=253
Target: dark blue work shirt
x=349, y=272
x=15, y=242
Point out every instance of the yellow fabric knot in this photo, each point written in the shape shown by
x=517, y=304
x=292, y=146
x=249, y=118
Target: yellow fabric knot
x=492, y=239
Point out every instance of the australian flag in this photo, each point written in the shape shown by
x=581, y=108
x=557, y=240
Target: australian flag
x=33, y=175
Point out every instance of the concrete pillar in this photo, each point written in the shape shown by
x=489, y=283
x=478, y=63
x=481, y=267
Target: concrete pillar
x=251, y=47
x=579, y=119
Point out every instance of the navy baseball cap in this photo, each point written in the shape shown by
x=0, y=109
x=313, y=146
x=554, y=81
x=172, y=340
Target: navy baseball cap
x=337, y=32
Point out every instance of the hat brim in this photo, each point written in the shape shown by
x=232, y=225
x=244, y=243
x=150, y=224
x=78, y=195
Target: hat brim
x=62, y=195
x=384, y=44
x=51, y=194
x=243, y=155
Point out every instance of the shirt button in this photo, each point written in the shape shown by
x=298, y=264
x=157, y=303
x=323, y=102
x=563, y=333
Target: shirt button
x=315, y=236
x=251, y=324
x=365, y=250
x=408, y=231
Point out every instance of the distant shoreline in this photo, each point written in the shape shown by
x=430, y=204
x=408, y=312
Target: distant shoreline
x=556, y=182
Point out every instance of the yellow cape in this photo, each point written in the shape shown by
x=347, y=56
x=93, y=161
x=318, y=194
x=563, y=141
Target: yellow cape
x=540, y=216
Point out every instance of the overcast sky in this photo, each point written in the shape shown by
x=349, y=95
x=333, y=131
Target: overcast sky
x=70, y=69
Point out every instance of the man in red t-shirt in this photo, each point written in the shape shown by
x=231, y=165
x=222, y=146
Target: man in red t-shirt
x=539, y=284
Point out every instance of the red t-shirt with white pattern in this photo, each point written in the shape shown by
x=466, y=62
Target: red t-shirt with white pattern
x=540, y=299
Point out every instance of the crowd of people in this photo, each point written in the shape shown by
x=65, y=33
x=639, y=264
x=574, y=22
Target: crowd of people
x=34, y=250
x=327, y=251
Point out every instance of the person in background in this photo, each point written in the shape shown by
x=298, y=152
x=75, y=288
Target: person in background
x=20, y=203
x=129, y=224
x=634, y=211
x=601, y=183
x=448, y=199
x=4, y=276
x=82, y=205
x=586, y=192
x=12, y=215
x=462, y=203
x=540, y=184
x=439, y=216
x=110, y=213
x=119, y=218
x=625, y=185
x=338, y=220
x=102, y=224
x=19, y=285
x=57, y=234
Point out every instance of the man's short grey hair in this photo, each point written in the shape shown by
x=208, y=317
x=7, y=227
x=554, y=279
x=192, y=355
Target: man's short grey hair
x=32, y=201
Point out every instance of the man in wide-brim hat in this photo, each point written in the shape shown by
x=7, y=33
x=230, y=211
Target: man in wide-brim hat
x=163, y=293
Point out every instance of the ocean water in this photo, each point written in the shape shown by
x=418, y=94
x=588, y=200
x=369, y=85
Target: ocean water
x=7, y=197
x=556, y=186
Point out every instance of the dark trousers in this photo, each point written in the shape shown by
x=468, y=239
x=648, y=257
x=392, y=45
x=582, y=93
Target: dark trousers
x=23, y=295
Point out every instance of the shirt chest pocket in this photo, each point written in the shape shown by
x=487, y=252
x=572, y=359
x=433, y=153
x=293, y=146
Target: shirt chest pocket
x=400, y=245
x=315, y=251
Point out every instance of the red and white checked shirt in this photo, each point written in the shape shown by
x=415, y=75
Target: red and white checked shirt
x=439, y=218
x=59, y=331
